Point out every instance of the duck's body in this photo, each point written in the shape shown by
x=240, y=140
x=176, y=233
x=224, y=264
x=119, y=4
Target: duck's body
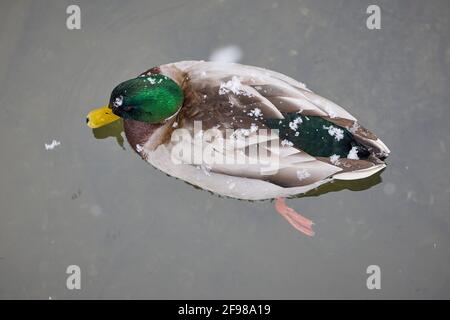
x=241, y=131
x=242, y=98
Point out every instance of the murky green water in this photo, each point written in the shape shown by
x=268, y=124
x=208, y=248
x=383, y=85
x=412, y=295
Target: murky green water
x=136, y=233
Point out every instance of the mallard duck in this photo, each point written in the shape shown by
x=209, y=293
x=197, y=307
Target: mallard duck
x=173, y=109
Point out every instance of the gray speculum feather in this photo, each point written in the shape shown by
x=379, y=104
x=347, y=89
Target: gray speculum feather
x=312, y=135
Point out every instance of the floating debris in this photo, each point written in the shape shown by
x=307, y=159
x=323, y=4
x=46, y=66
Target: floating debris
x=52, y=145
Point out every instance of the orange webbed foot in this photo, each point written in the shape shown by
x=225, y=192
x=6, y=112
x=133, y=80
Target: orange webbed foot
x=299, y=222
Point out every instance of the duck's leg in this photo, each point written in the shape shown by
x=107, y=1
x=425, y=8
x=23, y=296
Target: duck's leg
x=299, y=222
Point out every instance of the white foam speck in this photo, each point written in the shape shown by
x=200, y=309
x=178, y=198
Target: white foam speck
x=330, y=111
x=52, y=145
x=234, y=85
x=294, y=124
x=241, y=133
x=286, y=142
x=303, y=174
x=353, y=153
x=337, y=133
x=334, y=159
x=255, y=112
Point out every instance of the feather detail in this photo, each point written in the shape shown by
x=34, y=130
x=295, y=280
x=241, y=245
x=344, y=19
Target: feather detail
x=228, y=96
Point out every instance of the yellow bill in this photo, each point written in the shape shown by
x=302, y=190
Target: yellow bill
x=100, y=117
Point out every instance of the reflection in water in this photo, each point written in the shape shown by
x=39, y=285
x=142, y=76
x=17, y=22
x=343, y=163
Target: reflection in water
x=338, y=185
x=114, y=129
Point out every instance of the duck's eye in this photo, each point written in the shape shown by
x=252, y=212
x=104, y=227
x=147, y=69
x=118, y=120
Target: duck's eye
x=118, y=101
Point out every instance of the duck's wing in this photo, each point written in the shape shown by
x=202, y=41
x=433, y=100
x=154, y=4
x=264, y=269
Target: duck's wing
x=227, y=96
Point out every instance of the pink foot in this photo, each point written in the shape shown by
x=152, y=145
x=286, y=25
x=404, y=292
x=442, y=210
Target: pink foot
x=299, y=222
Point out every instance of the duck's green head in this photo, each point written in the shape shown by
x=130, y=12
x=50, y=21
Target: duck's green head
x=151, y=98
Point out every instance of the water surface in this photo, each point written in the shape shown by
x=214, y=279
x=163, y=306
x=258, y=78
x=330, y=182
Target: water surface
x=136, y=233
